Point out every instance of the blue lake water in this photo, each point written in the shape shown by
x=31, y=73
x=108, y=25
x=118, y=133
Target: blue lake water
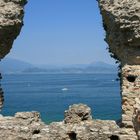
x=43, y=93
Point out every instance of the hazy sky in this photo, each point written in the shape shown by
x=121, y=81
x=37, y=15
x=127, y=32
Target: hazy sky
x=61, y=32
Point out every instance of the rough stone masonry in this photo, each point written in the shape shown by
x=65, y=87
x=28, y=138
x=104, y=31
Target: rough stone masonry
x=121, y=21
x=11, y=21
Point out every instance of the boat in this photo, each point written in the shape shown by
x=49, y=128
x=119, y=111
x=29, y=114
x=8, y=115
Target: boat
x=64, y=89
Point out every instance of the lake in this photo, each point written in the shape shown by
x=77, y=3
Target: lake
x=51, y=94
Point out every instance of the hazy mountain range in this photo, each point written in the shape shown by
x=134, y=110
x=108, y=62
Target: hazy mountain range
x=9, y=65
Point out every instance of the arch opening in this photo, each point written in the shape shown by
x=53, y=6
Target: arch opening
x=63, y=88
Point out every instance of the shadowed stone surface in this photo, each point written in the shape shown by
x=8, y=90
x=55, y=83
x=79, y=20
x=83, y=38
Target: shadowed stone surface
x=11, y=21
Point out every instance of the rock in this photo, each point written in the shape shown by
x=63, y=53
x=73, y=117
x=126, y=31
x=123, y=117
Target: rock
x=121, y=21
x=28, y=125
x=28, y=115
x=87, y=130
x=77, y=113
x=11, y=21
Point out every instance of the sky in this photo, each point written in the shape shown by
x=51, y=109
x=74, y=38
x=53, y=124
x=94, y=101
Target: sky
x=61, y=32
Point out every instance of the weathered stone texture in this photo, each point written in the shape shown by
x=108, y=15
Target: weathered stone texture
x=121, y=20
x=28, y=126
x=11, y=21
x=77, y=113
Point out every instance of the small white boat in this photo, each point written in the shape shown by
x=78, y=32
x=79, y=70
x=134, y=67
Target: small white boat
x=64, y=89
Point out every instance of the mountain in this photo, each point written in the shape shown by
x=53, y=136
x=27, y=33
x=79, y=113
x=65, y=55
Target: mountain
x=101, y=67
x=100, y=64
x=10, y=65
x=95, y=67
x=93, y=64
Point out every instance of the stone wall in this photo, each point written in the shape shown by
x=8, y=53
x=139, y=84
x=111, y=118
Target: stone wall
x=11, y=21
x=78, y=125
x=121, y=21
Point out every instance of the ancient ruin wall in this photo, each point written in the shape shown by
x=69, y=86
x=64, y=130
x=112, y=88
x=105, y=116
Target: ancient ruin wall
x=78, y=123
x=121, y=21
x=11, y=21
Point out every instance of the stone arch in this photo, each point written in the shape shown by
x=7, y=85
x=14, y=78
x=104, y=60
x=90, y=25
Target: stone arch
x=121, y=20
x=107, y=107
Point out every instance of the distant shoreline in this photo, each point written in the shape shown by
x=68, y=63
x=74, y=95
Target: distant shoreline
x=30, y=73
